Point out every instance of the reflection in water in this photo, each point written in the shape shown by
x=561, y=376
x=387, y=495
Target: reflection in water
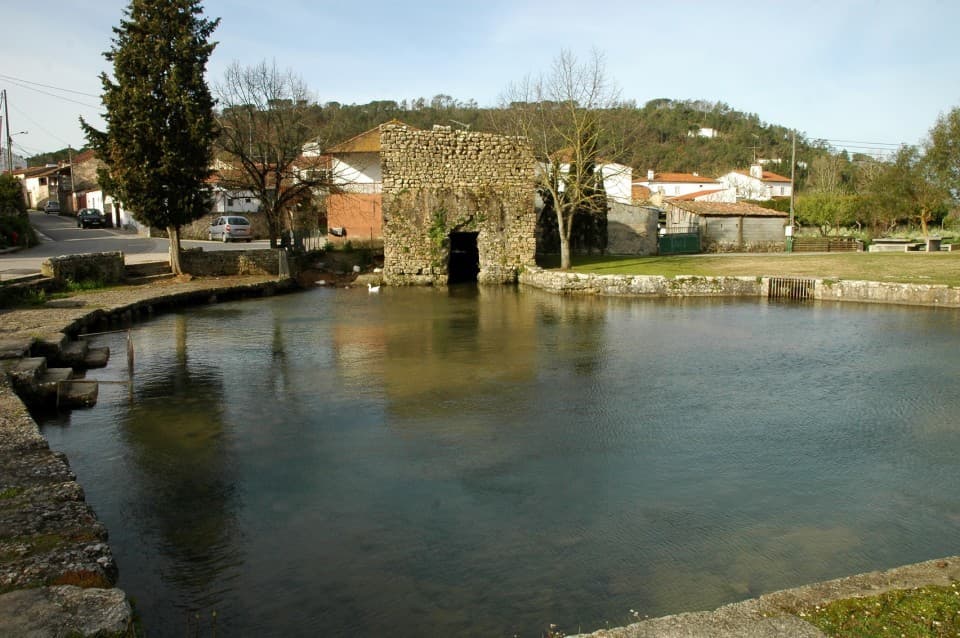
x=485, y=461
x=175, y=435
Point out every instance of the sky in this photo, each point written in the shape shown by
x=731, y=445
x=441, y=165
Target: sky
x=872, y=72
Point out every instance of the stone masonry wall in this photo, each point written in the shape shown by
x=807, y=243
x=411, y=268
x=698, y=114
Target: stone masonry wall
x=442, y=181
x=103, y=267
x=221, y=263
x=631, y=230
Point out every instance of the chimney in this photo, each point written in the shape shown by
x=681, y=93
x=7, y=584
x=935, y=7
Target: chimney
x=650, y=175
x=756, y=171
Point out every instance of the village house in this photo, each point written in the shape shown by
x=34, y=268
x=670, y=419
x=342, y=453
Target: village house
x=664, y=185
x=757, y=184
x=729, y=227
x=355, y=206
x=45, y=183
x=87, y=192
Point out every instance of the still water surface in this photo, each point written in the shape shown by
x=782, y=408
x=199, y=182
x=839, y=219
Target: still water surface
x=486, y=462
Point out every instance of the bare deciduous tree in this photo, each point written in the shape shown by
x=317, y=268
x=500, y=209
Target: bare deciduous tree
x=265, y=120
x=568, y=116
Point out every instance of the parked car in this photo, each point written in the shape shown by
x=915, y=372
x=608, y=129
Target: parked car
x=90, y=217
x=231, y=227
x=52, y=206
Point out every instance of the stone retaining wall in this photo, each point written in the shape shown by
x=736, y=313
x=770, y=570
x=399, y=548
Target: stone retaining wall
x=51, y=543
x=442, y=181
x=642, y=285
x=107, y=268
x=690, y=286
x=882, y=292
x=223, y=263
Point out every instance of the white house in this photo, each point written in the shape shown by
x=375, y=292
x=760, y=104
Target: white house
x=120, y=217
x=676, y=184
x=757, y=184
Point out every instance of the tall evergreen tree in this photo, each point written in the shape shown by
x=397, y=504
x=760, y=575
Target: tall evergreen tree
x=159, y=114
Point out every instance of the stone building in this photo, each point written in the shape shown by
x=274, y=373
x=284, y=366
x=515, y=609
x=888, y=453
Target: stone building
x=457, y=206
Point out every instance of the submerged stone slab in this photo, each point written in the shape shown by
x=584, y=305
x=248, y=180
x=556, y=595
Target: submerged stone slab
x=65, y=611
x=97, y=357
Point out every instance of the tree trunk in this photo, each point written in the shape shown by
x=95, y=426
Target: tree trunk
x=923, y=221
x=564, y=228
x=174, y=232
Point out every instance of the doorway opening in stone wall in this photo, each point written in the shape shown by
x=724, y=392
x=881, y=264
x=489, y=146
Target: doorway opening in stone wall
x=464, y=265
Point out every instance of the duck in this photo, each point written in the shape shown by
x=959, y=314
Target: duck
x=373, y=289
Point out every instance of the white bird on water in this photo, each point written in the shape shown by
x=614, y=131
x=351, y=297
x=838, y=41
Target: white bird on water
x=373, y=289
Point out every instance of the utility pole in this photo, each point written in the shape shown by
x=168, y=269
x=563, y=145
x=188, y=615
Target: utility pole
x=6, y=120
x=793, y=171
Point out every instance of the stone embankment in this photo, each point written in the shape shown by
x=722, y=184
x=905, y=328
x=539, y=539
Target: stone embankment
x=57, y=573
x=759, y=287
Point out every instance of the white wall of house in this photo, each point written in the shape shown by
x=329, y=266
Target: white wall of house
x=106, y=203
x=618, y=182
x=225, y=201
x=39, y=189
x=359, y=172
x=675, y=189
x=753, y=187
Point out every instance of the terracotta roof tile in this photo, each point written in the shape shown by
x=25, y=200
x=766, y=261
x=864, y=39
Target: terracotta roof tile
x=640, y=193
x=722, y=209
x=767, y=176
x=689, y=197
x=366, y=142
x=684, y=178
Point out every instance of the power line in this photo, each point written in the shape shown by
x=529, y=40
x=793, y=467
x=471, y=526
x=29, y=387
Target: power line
x=53, y=95
x=40, y=126
x=894, y=144
x=46, y=86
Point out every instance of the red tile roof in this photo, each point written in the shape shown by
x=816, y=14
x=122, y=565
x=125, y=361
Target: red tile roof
x=640, y=193
x=767, y=176
x=366, y=142
x=684, y=178
x=689, y=197
x=722, y=209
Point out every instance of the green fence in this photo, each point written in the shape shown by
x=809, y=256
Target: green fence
x=678, y=243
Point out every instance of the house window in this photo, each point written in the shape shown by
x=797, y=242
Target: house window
x=246, y=201
x=229, y=201
x=43, y=181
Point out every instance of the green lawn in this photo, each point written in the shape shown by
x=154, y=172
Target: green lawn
x=912, y=613
x=914, y=268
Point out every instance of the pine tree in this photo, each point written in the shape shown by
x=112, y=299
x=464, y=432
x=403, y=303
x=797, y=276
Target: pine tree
x=159, y=114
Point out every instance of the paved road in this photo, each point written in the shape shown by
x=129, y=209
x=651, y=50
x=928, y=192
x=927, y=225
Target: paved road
x=60, y=236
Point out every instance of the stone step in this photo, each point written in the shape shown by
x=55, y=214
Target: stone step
x=26, y=372
x=147, y=269
x=15, y=348
x=79, y=393
x=97, y=358
x=147, y=279
x=49, y=345
x=74, y=353
x=49, y=382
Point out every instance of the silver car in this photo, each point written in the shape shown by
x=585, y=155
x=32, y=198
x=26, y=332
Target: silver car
x=230, y=227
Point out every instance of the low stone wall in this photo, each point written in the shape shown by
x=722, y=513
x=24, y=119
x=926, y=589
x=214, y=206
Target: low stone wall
x=882, y=292
x=52, y=547
x=641, y=285
x=103, y=267
x=223, y=263
x=690, y=286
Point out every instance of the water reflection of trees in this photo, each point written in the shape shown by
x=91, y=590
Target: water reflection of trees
x=184, y=488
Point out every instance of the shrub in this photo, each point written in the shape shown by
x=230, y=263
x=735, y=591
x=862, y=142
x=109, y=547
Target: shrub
x=15, y=230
